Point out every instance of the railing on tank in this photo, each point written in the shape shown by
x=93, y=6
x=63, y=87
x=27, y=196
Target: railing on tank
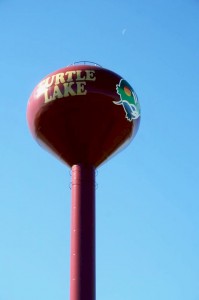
x=85, y=62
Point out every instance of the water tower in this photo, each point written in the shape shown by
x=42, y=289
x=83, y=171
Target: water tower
x=83, y=114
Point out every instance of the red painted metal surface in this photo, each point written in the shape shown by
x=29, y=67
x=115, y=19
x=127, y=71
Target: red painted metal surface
x=83, y=114
x=73, y=113
x=82, y=274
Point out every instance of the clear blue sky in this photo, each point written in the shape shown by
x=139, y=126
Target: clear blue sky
x=148, y=195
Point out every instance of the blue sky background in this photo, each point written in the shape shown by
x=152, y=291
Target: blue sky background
x=148, y=195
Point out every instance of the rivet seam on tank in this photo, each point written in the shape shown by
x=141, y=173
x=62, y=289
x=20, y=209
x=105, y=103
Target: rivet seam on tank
x=128, y=99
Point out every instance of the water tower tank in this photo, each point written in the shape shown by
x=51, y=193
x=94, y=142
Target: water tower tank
x=83, y=113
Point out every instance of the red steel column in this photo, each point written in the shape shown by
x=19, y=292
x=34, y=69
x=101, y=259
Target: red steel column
x=82, y=270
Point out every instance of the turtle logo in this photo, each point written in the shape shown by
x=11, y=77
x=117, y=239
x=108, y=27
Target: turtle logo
x=128, y=99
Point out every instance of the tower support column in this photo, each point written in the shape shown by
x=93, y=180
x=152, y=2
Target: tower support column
x=82, y=269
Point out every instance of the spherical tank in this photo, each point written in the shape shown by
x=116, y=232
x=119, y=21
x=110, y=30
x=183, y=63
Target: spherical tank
x=83, y=113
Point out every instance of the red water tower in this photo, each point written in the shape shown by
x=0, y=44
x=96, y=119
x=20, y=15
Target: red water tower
x=84, y=114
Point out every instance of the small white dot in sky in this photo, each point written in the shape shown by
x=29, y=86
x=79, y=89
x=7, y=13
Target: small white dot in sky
x=123, y=31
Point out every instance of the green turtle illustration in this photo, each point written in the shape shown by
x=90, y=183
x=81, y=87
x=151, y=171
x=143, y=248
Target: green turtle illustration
x=128, y=99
